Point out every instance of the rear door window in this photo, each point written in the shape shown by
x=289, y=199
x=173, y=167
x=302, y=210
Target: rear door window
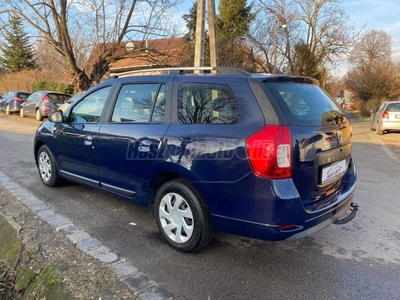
x=304, y=104
x=206, y=103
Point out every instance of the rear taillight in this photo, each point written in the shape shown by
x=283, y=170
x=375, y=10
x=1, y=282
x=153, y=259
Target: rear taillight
x=385, y=115
x=45, y=98
x=19, y=100
x=270, y=152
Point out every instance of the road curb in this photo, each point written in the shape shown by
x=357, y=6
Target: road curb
x=138, y=282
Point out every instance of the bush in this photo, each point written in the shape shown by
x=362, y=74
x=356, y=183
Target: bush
x=24, y=80
x=53, y=86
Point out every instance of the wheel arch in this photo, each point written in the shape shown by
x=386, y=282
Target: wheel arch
x=164, y=176
x=38, y=144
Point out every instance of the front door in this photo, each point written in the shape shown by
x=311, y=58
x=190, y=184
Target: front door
x=77, y=138
x=130, y=144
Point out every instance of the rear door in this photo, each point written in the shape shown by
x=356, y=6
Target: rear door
x=321, y=139
x=30, y=103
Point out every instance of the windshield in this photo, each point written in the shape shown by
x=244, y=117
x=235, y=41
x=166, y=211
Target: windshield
x=305, y=104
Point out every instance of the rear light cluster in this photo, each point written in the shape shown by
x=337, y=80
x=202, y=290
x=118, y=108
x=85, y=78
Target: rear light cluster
x=270, y=152
x=45, y=98
x=19, y=100
x=385, y=115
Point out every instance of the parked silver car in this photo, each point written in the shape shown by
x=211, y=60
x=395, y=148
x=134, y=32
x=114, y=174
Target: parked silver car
x=386, y=118
x=41, y=103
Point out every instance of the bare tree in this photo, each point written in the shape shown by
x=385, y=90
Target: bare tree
x=374, y=46
x=69, y=25
x=319, y=25
x=374, y=76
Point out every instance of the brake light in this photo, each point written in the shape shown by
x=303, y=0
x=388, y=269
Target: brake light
x=19, y=100
x=385, y=115
x=270, y=152
x=45, y=98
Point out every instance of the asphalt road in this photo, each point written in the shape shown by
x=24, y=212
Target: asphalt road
x=359, y=260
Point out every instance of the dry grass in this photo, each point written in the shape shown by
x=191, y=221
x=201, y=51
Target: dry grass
x=24, y=80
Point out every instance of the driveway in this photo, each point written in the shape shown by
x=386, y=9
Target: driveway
x=359, y=260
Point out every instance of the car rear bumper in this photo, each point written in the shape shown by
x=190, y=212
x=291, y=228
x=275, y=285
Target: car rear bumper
x=284, y=215
x=15, y=107
x=386, y=125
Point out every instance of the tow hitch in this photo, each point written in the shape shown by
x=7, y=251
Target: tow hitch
x=350, y=216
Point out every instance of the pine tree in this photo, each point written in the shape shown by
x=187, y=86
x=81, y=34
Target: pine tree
x=17, y=53
x=233, y=23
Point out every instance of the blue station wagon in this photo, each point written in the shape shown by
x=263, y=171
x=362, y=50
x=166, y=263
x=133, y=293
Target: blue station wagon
x=262, y=156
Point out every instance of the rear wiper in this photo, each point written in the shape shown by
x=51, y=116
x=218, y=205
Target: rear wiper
x=335, y=117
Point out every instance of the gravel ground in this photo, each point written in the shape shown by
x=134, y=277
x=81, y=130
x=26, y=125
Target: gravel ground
x=77, y=275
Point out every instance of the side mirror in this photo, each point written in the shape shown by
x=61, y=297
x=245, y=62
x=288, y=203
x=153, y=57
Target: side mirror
x=56, y=117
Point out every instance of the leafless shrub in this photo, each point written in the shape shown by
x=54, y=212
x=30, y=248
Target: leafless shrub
x=24, y=80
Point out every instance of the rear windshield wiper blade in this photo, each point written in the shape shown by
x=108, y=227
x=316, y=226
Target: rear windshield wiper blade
x=336, y=118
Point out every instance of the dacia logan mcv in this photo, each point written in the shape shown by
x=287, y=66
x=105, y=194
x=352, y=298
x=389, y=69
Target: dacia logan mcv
x=262, y=156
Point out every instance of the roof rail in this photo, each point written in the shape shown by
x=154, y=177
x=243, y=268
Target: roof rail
x=182, y=71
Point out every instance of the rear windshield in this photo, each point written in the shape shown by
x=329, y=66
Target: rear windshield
x=305, y=104
x=24, y=96
x=58, y=97
x=393, y=107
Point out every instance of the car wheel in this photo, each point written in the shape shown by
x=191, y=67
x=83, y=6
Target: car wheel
x=22, y=113
x=379, y=131
x=8, y=109
x=372, y=128
x=47, y=168
x=38, y=115
x=182, y=216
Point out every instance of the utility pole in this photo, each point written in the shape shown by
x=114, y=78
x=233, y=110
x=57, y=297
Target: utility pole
x=200, y=34
x=212, y=33
x=275, y=41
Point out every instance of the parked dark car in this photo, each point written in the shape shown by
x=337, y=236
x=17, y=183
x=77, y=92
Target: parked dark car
x=386, y=118
x=262, y=156
x=11, y=102
x=41, y=103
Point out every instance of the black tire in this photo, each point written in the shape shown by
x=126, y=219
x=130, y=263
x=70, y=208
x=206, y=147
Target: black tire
x=47, y=167
x=22, y=113
x=186, y=207
x=8, y=109
x=38, y=115
x=371, y=128
x=379, y=131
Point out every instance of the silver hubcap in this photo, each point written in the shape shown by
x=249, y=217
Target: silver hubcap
x=176, y=218
x=7, y=109
x=38, y=114
x=45, y=166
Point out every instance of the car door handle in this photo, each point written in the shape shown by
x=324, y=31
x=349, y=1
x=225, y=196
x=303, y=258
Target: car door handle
x=88, y=140
x=144, y=146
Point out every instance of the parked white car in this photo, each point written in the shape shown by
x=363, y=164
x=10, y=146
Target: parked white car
x=386, y=118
